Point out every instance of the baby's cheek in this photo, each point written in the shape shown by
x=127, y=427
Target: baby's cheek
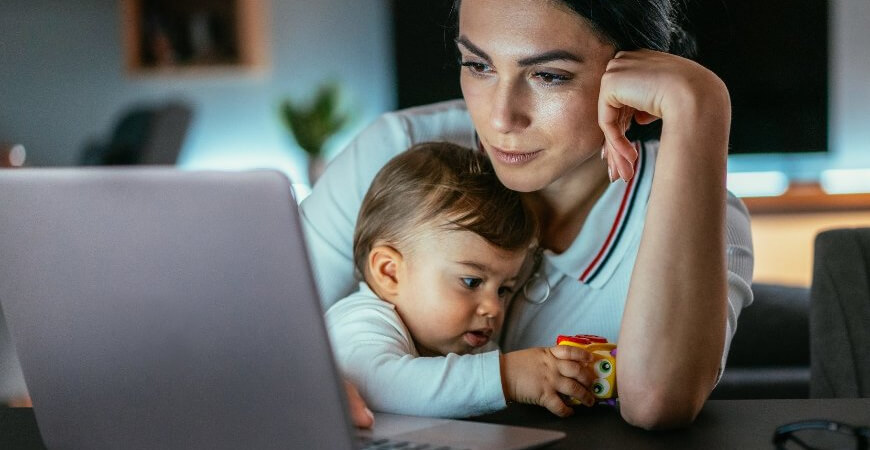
x=499, y=323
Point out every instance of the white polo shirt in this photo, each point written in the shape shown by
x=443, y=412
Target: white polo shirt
x=588, y=283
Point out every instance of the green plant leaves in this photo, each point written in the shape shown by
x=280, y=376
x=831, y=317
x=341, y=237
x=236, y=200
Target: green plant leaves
x=314, y=123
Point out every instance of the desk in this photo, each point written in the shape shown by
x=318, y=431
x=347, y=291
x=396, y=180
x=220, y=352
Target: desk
x=723, y=424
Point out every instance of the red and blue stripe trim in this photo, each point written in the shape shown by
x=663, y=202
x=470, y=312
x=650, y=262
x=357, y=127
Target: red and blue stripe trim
x=625, y=208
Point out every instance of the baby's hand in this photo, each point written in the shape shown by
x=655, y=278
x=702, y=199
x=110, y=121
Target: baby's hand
x=539, y=375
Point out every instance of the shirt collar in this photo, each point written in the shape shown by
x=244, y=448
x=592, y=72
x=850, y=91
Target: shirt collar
x=596, y=251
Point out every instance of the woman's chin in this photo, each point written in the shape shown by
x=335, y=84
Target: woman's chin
x=521, y=182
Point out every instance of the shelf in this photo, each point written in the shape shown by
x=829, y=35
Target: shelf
x=200, y=37
x=807, y=198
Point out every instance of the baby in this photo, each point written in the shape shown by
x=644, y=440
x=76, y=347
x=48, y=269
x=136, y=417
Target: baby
x=439, y=245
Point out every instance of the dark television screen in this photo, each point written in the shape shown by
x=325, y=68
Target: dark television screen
x=426, y=67
x=773, y=56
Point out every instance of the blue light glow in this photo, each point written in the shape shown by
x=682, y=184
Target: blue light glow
x=845, y=181
x=757, y=184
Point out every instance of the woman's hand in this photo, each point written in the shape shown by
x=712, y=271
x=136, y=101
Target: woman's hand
x=539, y=375
x=647, y=85
x=361, y=415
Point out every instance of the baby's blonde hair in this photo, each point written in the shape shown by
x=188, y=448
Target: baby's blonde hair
x=444, y=184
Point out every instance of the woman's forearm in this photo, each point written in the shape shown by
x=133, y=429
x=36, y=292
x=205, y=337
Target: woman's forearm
x=673, y=327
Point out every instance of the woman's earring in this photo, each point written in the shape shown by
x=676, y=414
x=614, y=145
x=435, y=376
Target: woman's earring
x=537, y=289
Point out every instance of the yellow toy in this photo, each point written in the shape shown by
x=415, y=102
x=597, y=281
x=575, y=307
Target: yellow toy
x=604, y=386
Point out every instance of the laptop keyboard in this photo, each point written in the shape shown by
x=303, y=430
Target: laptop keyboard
x=368, y=443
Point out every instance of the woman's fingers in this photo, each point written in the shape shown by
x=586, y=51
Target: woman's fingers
x=628, y=115
x=625, y=167
x=644, y=118
x=612, y=121
x=612, y=173
x=625, y=116
x=615, y=168
x=633, y=86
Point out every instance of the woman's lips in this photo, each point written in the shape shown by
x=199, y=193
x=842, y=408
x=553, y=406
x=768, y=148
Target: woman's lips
x=513, y=158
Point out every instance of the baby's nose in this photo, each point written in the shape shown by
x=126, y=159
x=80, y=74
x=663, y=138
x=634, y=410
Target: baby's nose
x=490, y=306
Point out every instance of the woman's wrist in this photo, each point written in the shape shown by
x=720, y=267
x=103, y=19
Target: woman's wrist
x=696, y=129
x=701, y=98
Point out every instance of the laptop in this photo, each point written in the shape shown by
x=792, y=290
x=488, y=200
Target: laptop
x=157, y=308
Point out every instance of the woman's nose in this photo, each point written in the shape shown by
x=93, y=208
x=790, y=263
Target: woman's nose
x=508, y=111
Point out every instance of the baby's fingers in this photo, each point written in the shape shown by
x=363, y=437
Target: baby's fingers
x=556, y=405
x=575, y=390
x=571, y=353
x=576, y=371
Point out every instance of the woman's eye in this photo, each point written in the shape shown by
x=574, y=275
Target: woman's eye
x=471, y=282
x=551, y=78
x=505, y=291
x=475, y=67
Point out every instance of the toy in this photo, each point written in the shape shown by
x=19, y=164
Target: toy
x=603, y=387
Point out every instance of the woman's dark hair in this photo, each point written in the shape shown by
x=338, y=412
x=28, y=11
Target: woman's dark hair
x=633, y=24
x=636, y=24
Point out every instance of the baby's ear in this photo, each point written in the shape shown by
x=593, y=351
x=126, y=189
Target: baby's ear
x=384, y=266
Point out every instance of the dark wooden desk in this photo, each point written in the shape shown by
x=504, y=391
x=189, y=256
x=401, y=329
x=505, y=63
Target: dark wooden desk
x=18, y=429
x=723, y=424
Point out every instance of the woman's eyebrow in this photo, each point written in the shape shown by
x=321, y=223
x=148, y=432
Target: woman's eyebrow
x=552, y=55
x=463, y=41
x=549, y=56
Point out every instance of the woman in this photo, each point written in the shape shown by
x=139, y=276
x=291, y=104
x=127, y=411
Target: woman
x=660, y=261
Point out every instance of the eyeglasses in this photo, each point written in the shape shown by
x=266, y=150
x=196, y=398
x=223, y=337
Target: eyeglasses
x=821, y=434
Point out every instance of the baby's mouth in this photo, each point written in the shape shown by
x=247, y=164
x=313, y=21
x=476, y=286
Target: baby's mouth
x=478, y=338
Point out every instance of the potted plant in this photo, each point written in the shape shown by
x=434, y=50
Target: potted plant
x=312, y=124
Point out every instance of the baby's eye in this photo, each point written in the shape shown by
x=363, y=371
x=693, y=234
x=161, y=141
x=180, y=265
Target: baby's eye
x=505, y=291
x=471, y=282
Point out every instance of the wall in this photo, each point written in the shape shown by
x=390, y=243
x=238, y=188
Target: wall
x=850, y=98
x=62, y=81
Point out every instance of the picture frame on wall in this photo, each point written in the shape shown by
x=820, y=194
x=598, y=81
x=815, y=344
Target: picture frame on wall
x=163, y=36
